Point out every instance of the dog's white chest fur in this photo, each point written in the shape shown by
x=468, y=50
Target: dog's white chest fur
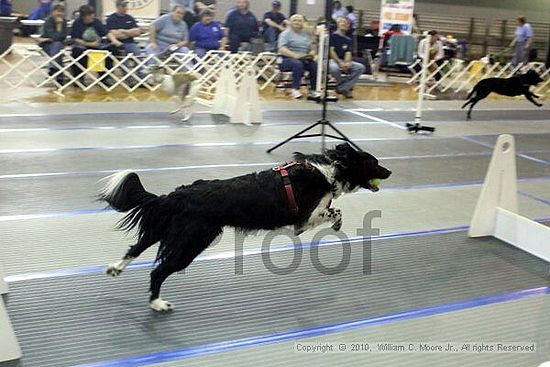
x=329, y=172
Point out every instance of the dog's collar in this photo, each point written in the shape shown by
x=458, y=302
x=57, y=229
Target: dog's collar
x=283, y=170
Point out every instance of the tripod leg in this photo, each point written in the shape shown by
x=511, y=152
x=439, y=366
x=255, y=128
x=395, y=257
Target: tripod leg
x=295, y=136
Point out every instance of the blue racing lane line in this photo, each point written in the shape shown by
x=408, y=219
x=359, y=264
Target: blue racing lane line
x=518, y=153
x=192, y=145
x=220, y=144
x=231, y=165
x=256, y=251
x=321, y=330
x=8, y=218
x=536, y=198
x=229, y=254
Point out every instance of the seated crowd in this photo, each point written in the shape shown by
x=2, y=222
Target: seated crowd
x=191, y=25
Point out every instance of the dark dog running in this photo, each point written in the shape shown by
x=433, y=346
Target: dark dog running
x=514, y=86
x=187, y=220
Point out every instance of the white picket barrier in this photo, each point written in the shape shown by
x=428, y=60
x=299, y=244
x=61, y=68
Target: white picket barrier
x=496, y=210
x=9, y=347
x=29, y=65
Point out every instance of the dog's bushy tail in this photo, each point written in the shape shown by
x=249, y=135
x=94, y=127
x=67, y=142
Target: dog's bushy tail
x=124, y=192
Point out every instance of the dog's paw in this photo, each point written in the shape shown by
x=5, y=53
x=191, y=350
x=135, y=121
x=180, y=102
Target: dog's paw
x=539, y=105
x=161, y=305
x=186, y=114
x=114, y=269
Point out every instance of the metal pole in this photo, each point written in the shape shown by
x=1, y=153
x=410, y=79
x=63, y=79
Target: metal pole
x=422, y=89
x=293, y=7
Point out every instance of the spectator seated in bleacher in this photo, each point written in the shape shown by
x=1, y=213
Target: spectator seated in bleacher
x=124, y=28
x=435, y=50
x=52, y=39
x=273, y=24
x=5, y=8
x=242, y=27
x=87, y=34
x=168, y=34
x=296, y=49
x=207, y=34
x=341, y=48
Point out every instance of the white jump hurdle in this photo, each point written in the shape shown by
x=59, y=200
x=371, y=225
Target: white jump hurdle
x=9, y=349
x=497, y=206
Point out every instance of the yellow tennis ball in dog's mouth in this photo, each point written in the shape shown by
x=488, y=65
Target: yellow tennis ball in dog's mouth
x=375, y=182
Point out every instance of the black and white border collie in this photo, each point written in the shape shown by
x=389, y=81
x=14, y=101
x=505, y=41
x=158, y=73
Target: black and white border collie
x=188, y=219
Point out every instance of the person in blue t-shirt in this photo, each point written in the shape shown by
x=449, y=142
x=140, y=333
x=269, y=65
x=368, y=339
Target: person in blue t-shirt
x=124, y=28
x=242, y=25
x=341, y=59
x=87, y=33
x=207, y=34
x=522, y=41
x=274, y=23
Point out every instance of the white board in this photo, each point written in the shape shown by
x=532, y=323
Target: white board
x=396, y=12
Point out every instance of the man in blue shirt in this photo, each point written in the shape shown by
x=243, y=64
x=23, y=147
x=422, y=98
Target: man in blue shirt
x=522, y=40
x=274, y=24
x=341, y=60
x=124, y=28
x=168, y=34
x=87, y=33
x=207, y=34
x=242, y=25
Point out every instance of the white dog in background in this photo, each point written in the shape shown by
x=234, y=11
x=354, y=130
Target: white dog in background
x=183, y=86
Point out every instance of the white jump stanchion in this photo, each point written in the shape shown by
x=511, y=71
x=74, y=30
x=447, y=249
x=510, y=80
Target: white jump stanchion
x=423, y=80
x=416, y=127
x=9, y=347
x=321, y=49
x=247, y=111
x=496, y=210
x=225, y=96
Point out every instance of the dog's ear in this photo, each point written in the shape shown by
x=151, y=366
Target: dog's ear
x=344, y=148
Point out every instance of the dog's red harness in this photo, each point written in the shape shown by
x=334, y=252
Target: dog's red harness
x=288, y=186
